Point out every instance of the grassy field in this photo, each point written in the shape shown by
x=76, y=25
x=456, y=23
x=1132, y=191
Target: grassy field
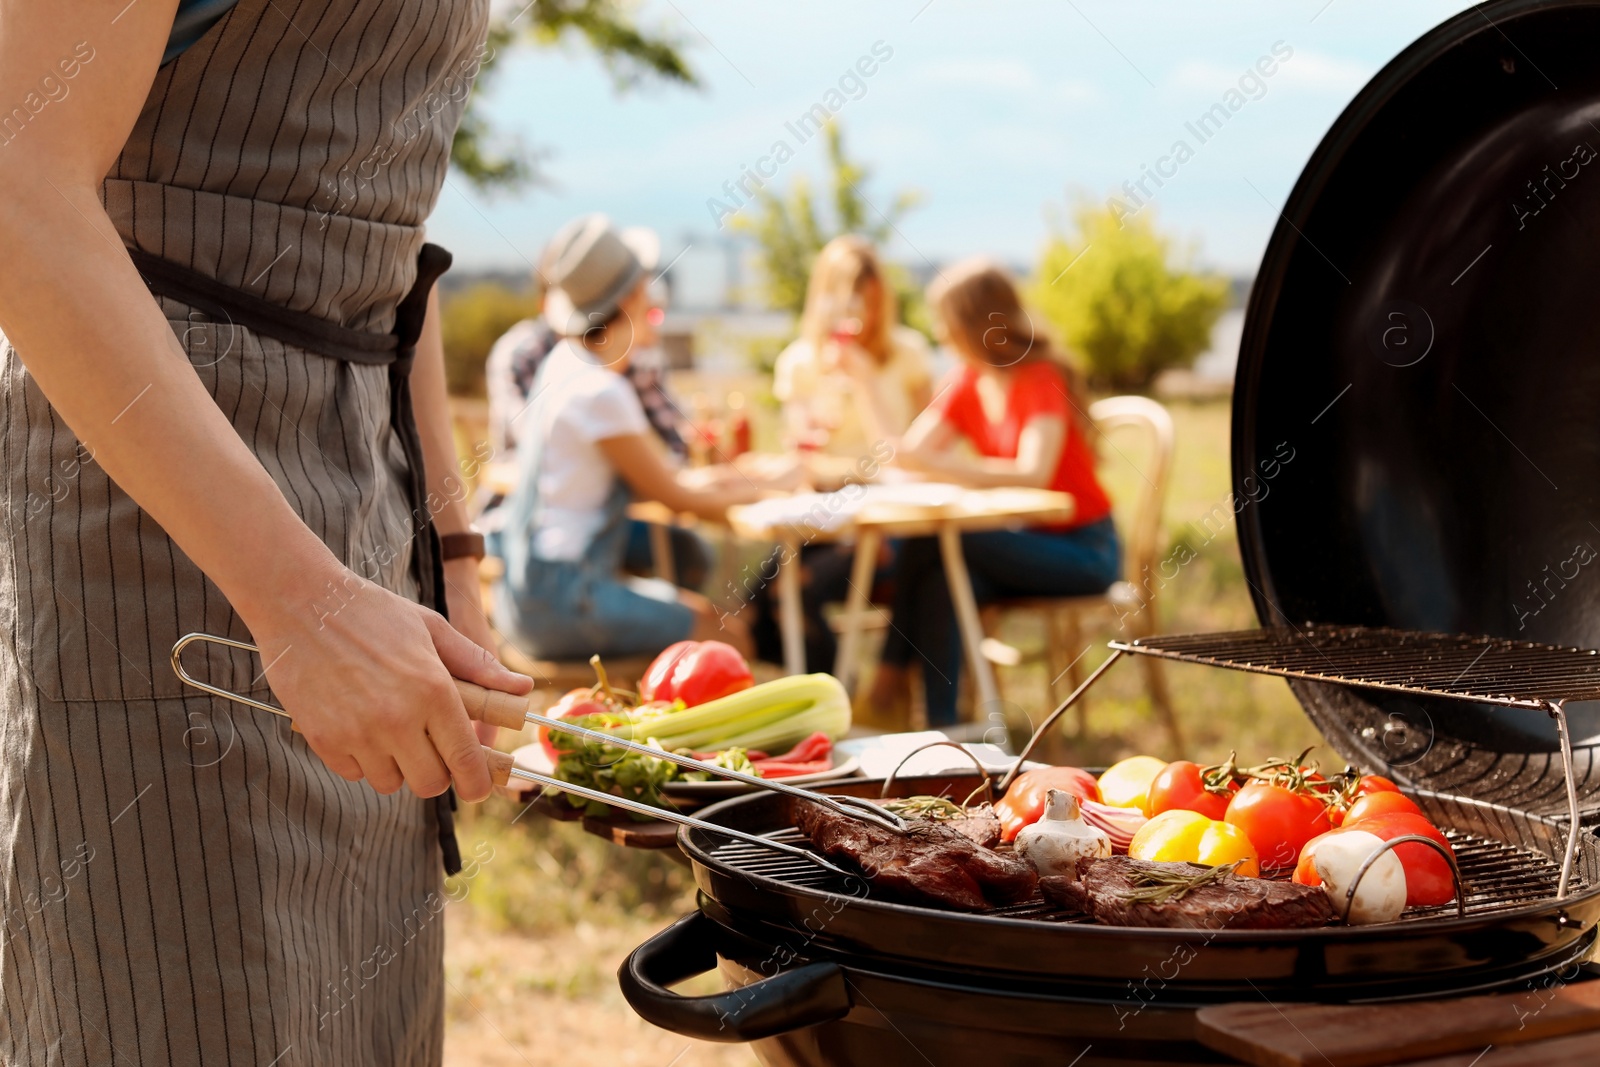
x=549, y=914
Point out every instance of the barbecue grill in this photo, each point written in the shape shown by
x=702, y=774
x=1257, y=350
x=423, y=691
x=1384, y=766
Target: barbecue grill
x=1528, y=906
x=1416, y=458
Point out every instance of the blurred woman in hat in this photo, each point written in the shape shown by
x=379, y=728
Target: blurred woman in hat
x=514, y=362
x=585, y=450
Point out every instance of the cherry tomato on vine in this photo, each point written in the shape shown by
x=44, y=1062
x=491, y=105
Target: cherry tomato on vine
x=1181, y=787
x=1278, y=820
x=1381, y=804
x=1366, y=785
x=1375, y=783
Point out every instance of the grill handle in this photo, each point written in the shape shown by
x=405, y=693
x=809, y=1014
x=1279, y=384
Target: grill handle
x=788, y=1000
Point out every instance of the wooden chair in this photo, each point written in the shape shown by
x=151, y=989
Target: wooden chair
x=1128, y=603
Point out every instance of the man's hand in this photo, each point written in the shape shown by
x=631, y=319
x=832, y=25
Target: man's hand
x=366, y=675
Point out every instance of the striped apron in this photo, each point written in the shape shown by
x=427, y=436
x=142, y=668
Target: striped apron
x=184, y=882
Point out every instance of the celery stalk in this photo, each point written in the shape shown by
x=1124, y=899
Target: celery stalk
x=771, y=717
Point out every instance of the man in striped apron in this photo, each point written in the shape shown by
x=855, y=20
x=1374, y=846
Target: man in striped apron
x=212, y=300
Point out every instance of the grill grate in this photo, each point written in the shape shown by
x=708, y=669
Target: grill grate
x=1498, y=876
x=1491, y=670
x=1515, y=674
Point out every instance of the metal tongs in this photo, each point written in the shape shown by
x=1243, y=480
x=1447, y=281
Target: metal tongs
x=512, y=712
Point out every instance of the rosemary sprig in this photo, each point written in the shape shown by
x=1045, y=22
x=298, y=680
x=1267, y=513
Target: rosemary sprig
x=926, y=807
x=1162, y=886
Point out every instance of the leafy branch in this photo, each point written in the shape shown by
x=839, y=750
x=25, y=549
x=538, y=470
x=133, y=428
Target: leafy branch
x=629, y=53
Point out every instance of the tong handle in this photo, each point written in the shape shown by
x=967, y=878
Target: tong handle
x=493, y=706
x=500, y=764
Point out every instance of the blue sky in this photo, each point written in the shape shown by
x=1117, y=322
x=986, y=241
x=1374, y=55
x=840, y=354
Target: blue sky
x=997, y=113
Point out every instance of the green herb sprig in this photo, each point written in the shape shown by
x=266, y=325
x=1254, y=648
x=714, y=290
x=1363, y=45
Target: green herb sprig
x=926, y=807
x=1163, y=886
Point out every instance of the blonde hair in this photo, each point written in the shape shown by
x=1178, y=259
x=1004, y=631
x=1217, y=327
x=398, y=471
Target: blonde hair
x=981, y=313
x=846, y=267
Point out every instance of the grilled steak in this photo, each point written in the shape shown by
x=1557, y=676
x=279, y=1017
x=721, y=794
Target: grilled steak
x=1232, y=902
x=929, y=864
x=980, y=825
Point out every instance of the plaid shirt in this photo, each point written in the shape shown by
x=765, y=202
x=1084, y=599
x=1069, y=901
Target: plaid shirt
x=514, y=363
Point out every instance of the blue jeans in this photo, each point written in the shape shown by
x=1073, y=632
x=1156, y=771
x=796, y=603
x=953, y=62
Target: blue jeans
x=1003, y=563
x=691, y=556
x=572, y=609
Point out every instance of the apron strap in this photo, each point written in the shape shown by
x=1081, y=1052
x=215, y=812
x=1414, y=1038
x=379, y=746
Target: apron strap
x=396, y=350
x=224, y=303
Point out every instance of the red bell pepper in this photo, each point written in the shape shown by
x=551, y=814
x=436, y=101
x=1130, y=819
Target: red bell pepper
x=695, y=672
x=811, y=756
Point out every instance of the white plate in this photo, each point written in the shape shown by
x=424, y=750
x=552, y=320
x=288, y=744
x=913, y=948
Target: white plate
x=721, y=787
x=534, y=758
x=881, y=753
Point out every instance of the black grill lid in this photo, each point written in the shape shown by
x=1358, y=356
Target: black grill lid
x=1416, y=424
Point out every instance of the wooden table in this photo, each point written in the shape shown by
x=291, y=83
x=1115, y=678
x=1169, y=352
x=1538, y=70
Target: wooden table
x=974, y=510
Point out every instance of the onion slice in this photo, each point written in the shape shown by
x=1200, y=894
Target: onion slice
x=1120, y=824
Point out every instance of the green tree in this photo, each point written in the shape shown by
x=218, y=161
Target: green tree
x=472, y=321
x=1122, y=298
x=789, y=231
x=630, y=53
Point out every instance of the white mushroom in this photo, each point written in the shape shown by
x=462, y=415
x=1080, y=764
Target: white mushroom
x=1381, y=895
x=1061, y=838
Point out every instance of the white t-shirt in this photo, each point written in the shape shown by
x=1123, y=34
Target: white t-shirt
x=576, y=404
x=824, y=402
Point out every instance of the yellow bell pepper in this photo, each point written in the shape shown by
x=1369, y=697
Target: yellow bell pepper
x=1178, y=836
x=1127, y=784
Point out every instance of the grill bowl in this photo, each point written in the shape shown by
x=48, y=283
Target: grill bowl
x=1513, y=929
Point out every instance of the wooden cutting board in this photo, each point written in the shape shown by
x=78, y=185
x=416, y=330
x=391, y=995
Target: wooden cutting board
x=1377, y=1035
x=1576, y=1050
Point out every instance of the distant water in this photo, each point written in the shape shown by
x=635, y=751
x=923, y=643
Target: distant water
x=1217, y=362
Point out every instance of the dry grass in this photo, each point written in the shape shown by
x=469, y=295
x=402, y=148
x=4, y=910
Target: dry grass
x=517, y=1000
x=543, y=920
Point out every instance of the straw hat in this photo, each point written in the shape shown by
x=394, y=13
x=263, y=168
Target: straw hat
x=590, y=268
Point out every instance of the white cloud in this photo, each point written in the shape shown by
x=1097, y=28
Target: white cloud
x=1204, y=75
x=982, y=74
x=1008, y=77
x=1075, y=92
x=1313, y=70
x=1303, y=70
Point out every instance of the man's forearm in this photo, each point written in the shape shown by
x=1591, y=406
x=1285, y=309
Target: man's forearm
x=447, y=482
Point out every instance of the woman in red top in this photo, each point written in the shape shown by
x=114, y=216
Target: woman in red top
x=1014, y=401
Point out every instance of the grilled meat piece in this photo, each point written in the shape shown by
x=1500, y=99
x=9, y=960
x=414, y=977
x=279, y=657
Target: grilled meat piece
x=1232, y=902
x=929, y=864
x=980, y=825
